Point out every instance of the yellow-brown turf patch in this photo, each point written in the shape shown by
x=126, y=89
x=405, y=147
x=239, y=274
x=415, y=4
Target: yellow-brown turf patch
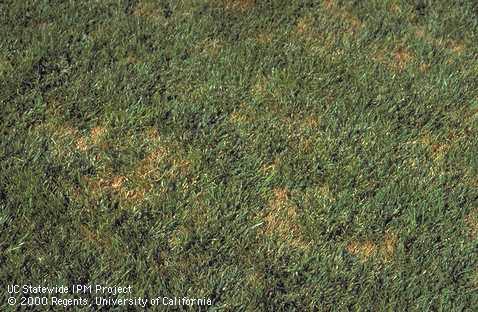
x=81, y=144
x=305, y=25
x=388, y=246
x=454, y=46
x=148, y=9
x=366, y=249
x=149, y=164
x=282, y=220
x=260, y=87
x=210, y=47
x=92, y=139
x=402, y=57
x=94, y=238
x=264, y=37
x=457, y=47
x=255, y=280
x=239, y=5
x=424, y=68
x=117, y=182
x=337, y=12
x=471, y=220
x=437, y=149
x=395, y=60
x=362, y=249
x=5, y=65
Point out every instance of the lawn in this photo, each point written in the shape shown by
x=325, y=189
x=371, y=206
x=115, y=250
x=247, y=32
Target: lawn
x=265, y=155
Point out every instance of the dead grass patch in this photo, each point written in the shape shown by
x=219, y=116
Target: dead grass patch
x=457, y=47
x=388, y=246
x=270, y=166
x=325, y=192
x=147, y=9
x=239, y=5
x=366, y=249
x=437, y=149
x=210, y=47
x=305, y=25
x=471, y=220
x=397, y=60
x=94, y=237
x=264, y=38
x=92, y=139
x=5, y=65
x=424, y=68
x=402, y=57
x=394, y=8
x=81, y=144
x=147, y=167
x=337, y=12
x=282, y=220
x=256, y=280
x=259, y=89
x=362, y=249
x=454, y=46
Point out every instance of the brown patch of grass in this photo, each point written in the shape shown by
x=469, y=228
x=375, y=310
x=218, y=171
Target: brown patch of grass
x=282, y=220
x=242, y=115
x=437, y=149
x=324, y=191
x=137, y=194
x=457, y=47
x=337, y=12
x=152, y=134
x=302, y=131
x=395, y=8
x=471, y=220
x=362, y=249
x=239, y=5
x=402, y=57
x=264, y=37
x=93, y=138
x=270, y=166
x=397, y=60
x=81, y=144
x=424, y=68
x=147, y=9
x=367, y=248
x=130, y=59
x=329, y=4
x=210, y=47
x=149, y=164
x=117, y=182
x=5, y=65
x=97, y=133
x=388, y=246
x=305, y=25
x=237, y=118
x=311, y=122
x=256, y=280
x=65, y=132
x=260, y=87
x=93, y=237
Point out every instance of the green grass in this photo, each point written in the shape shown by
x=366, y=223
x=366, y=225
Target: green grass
x=269, y=155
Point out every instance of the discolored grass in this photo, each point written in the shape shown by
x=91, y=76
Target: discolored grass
x=269, y=155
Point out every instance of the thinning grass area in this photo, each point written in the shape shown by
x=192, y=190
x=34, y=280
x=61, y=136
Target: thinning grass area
x=268, y=155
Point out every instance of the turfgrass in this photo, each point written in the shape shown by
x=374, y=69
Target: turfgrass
x=269, y=155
